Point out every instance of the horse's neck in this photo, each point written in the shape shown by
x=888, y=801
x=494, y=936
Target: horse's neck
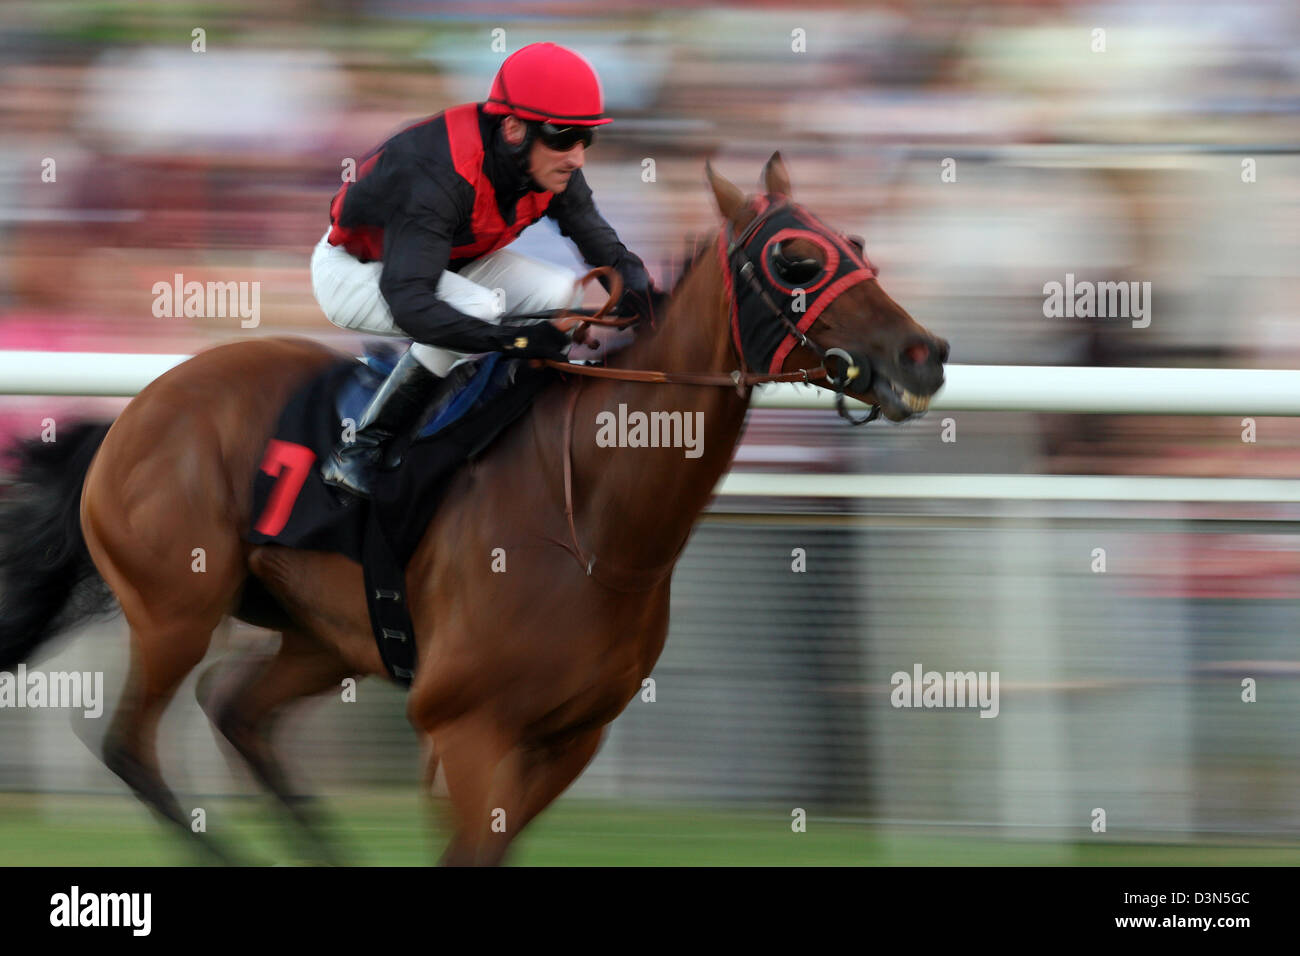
x=694, y=336
x=637, y=504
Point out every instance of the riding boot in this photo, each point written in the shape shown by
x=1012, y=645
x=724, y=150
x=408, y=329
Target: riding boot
x=396, y=411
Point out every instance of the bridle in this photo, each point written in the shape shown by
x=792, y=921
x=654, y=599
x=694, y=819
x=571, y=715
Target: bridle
x=852, y=268
x=737, y=265
x=739, y=270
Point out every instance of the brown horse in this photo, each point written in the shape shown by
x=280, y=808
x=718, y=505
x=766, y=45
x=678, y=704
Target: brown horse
x=519, y=670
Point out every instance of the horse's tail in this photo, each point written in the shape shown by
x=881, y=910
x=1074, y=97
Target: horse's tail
x=48, y=583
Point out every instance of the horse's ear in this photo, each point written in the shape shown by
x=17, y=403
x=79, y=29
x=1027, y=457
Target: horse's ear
x=728, y=196
x=776, y=179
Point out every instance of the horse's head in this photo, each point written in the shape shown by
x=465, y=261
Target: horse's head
x=804, y=295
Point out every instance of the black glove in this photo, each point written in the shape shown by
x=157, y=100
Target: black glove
x=648, y=304
x=540, y=340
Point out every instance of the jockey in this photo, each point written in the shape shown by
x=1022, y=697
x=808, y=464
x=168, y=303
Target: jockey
x=415, y=243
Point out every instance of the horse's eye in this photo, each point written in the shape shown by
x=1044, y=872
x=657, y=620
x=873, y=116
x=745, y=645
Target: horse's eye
x=793, y=272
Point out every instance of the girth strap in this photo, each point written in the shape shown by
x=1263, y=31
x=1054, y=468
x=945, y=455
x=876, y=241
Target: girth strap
x=390, y=616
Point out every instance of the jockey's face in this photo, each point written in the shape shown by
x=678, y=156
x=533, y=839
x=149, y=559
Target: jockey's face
x=549, y=168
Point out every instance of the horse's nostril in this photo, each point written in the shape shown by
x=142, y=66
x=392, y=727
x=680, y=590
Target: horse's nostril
x=918, y=353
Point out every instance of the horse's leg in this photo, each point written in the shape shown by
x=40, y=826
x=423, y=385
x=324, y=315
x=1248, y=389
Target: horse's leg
x=246, y=717
x=497, y=785
x=161, y=656
x=172, y=610
x=548, y=771
x=430, y=777
x=472, y=751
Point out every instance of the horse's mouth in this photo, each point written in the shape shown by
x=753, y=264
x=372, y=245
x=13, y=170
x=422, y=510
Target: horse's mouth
x=897, y=402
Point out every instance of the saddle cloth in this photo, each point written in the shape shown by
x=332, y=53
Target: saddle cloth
x=294, y=508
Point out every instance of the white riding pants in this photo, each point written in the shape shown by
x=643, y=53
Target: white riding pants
x=500, y=284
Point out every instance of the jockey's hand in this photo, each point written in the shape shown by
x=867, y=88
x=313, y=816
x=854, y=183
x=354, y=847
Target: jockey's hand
x=647, y=304
x=583, y=335
x=540, y=340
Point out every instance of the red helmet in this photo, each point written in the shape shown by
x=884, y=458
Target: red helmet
x=548, y=83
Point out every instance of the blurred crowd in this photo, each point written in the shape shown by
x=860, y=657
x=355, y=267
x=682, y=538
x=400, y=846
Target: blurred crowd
x=1107, y=141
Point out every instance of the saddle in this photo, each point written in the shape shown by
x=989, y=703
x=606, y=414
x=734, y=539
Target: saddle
x=294, y=508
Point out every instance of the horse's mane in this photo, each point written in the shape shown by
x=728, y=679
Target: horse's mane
x=697, y=246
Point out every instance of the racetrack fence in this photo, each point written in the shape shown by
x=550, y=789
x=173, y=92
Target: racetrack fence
x=1119, y=688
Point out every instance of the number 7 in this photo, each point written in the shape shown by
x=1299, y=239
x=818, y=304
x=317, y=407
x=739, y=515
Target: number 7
x=288, y=464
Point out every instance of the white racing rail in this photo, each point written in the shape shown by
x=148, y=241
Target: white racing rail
x=991, y=388
x=1000, y=388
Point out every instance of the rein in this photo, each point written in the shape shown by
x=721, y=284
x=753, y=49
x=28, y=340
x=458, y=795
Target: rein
x=578, y=323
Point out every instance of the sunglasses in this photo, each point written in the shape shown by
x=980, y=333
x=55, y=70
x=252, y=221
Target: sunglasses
x=564, y=138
